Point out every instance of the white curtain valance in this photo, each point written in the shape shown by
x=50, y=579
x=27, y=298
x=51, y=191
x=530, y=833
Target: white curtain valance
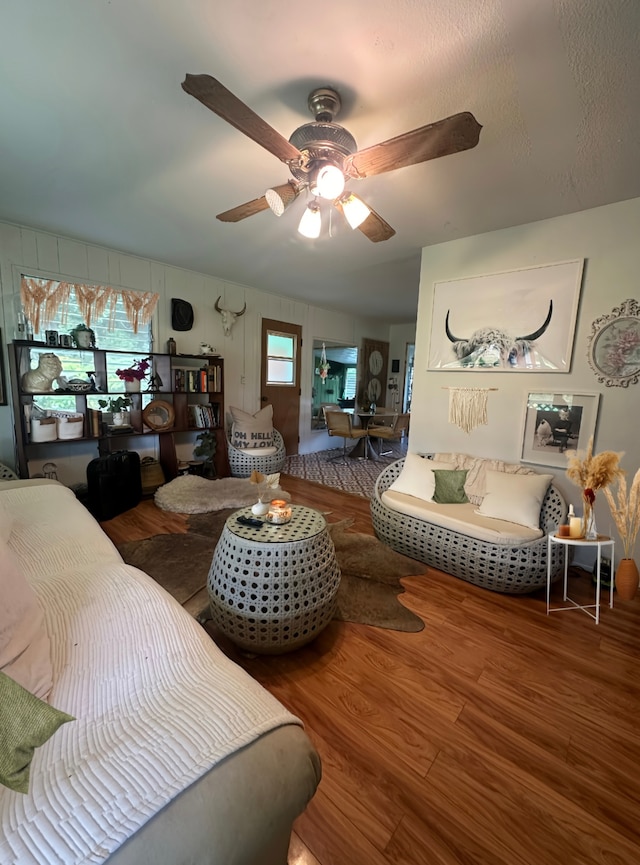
x=47, y=300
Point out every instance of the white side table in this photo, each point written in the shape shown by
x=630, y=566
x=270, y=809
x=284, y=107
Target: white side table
x=601, y=542
x=274, y=588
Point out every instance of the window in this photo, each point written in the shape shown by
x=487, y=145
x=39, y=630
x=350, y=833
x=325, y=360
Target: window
x=112, y=327
x=350, y=381
x=281, y=358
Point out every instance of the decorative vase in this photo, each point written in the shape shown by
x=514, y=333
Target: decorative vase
x=627, y=579
x=132, y=386
x=118, y=418
x=83, y=338
x=590, y=530
x=260, y=509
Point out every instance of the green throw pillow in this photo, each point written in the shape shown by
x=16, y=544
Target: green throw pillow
x=26, y=723
x=450, y=487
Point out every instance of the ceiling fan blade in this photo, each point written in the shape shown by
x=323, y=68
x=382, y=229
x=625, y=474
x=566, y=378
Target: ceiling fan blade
x=222, y=102
x=374, y=226
x=242, y=211
x=451, y=135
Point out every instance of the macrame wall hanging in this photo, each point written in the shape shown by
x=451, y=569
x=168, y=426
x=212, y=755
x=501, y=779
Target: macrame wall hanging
x=468, y=406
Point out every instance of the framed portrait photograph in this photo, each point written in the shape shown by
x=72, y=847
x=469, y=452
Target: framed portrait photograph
x=555, y=423
x=516, y=321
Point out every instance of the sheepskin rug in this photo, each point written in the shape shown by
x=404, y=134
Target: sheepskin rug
x=190, y=494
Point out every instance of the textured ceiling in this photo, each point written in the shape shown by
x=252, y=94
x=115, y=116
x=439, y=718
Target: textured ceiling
x=99, y=142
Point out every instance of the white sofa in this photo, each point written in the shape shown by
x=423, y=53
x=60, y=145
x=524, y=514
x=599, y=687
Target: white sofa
x=467, y=540
x=175, y=755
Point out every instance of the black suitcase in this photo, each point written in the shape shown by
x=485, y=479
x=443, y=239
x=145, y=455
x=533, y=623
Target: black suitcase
x=114, y=484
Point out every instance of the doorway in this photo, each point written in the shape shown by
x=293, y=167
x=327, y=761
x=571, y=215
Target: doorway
x=280, y=378
x=408, y=376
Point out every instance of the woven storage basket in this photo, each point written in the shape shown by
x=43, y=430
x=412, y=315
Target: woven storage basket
x=44, y=429
x=151, y=475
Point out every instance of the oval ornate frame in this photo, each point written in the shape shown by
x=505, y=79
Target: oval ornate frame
x=159, y=415
x=613, y=349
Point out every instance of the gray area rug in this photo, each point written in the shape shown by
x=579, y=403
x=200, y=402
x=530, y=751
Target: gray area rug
x=369, y=587
x=353, y=476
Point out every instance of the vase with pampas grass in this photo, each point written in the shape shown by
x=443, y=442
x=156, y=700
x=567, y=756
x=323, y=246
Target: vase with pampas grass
x=625, y=510
x=591, y=473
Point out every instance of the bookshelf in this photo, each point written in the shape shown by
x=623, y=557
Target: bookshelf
x=191, y=385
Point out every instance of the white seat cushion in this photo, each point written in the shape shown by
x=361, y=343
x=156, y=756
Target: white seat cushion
x=461, y=518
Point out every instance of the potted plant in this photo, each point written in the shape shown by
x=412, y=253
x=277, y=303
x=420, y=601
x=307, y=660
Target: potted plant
x=119, y=408
x=206, y=449
x=83, y=336
x=133, y=375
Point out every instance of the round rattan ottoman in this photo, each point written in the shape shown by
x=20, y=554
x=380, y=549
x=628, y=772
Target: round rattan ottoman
x=273, y=589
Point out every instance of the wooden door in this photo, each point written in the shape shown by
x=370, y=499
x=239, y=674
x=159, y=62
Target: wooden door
x=280, y=377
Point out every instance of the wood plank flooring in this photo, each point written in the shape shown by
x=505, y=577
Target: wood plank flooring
x=496, y=736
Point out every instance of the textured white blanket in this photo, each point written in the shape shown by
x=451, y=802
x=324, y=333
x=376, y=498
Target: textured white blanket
x=156, y=703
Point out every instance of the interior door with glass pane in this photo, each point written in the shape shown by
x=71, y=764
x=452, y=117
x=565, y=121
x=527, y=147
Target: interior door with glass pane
x=280, y=379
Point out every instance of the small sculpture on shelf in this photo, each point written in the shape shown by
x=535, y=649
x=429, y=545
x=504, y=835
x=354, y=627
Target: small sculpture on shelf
x=155, y=383
x=41, y=379
x=83, y=336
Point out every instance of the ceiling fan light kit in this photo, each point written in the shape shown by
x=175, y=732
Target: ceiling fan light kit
x=354, y=209
x=322, y=155
x=311, y=222
x=328, y=182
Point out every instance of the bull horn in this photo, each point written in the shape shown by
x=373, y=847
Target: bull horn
x=243, y=310
x=538, y=333
x=448, y=332
x=217, y=305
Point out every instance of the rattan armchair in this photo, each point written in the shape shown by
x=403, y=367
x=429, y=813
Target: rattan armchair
x=242, y=461
x=340, y=423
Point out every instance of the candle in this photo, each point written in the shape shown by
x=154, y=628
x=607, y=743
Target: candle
x=279, y=511
x=575, y=527
x=564, y=530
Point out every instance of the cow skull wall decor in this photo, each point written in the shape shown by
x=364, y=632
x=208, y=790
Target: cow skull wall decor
x=229, y=317
x=490, y=347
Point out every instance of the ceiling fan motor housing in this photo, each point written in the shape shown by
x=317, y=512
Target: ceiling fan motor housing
x=321, y=143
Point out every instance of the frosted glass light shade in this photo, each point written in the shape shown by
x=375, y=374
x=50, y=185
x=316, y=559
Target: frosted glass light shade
x=311, y=222
x=354, y=209
x=329, y=182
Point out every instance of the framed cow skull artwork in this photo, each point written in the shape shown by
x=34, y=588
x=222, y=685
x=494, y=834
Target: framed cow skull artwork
x=516, y=321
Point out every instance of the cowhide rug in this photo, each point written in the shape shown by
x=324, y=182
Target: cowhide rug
x=371, y=571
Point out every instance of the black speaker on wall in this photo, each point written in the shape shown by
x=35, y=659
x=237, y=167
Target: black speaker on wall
x=395, y=366
x=181, y=314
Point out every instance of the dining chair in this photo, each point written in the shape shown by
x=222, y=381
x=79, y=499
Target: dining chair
x=340, y=423
x=392, y=432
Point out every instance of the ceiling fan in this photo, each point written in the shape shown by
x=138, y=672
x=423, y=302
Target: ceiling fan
x=322, y=155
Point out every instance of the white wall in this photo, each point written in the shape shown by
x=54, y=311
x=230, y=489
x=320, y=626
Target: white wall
x=24, y=250
x=607, y=238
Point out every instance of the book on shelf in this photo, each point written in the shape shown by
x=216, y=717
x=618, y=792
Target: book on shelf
x=95, y=422
x=203, y=415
